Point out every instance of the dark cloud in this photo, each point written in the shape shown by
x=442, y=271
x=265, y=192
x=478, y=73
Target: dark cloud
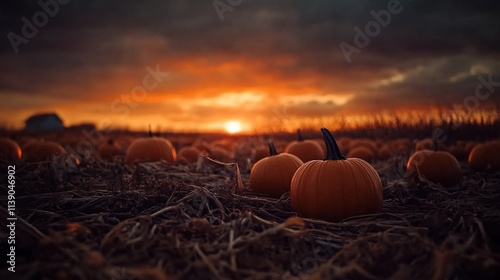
x=429, y=54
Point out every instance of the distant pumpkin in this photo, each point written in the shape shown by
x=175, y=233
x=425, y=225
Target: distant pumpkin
x=306, y=150
x=485, y=156
x=9, y=150
x=260, y=153
x=384, y=152
x=367, y=143
x=437, y=166
x=189, y=154
x=108, y=149
x=150, y=149
x=361, y=152
x=40, y=150
x=424, y=144
x=272, y=175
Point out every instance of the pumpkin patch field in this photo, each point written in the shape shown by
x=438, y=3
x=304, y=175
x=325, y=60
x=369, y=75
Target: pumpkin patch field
x=323, y=204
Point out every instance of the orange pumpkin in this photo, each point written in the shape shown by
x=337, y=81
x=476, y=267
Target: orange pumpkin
x=108, y=149
x=384, y=152
x=335, y=188
x=424, y=144
x=484, y=156
x=9, y=150
x=220, y=154
x=306, y=150
x=367, y=143
x=361, y=152
x=272, y=175
x=150, y=149
x=437, y=166
x=260, y=153
x=40, y=150
x=189, y=154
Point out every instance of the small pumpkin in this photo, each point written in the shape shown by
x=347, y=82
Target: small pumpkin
x=361, y=152
x=362, y=142
x=272, y=175
x=335, y=188
x=260, y=153
x=150, y=149
x=220, y=154
x=9, y=150
x=189, y=154
x=40, y=150
x=306, y=150
x=484, y=156
x=384, y=152
x=437, y=166
x=424, y=144
x=108, y=149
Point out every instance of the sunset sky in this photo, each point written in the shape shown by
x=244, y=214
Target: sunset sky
x=265, y=64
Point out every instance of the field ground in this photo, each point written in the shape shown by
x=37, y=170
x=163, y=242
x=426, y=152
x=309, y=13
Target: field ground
x=107, y=220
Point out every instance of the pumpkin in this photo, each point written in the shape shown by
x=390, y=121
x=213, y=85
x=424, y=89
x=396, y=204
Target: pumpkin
x=424, y=144
x=437, y=166
x=108, y=149
x=220, y=154
x=260, y=153
x=384, y=152
x=484, y=156
x=40, y=150
x=367, y=143
x=9, y=150
x=400, y=146
x=306, y=150
x=361, y=152
x=272, y=175
x=189, y=154
x=150, y=149
x=335, y=188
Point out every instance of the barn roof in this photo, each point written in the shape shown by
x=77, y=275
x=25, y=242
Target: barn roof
x=40, y=117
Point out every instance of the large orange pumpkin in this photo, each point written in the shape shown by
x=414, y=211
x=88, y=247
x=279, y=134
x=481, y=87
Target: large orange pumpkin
x=150, y=149
x=335, y=188
x=40, y=150
x=437, y=166
x=306, y=150
x=484, y=156
x=272, y=175
x=9, y=150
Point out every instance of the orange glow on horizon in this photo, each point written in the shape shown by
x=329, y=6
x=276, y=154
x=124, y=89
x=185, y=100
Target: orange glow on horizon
x=232, y=127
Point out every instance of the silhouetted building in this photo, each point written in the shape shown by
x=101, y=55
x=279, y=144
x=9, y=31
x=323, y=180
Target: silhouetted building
x=44, y=122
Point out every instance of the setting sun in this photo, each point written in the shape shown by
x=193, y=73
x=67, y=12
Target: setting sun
x=232, y=127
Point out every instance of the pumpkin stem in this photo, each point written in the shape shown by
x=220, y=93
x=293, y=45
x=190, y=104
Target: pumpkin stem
x=299, y=136
x=272, y=149
x=149, y=131
x=332, y=149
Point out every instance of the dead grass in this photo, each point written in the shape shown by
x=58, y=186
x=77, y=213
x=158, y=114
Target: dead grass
x=108, y=221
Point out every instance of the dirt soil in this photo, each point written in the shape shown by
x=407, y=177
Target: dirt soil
x=105, y=220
